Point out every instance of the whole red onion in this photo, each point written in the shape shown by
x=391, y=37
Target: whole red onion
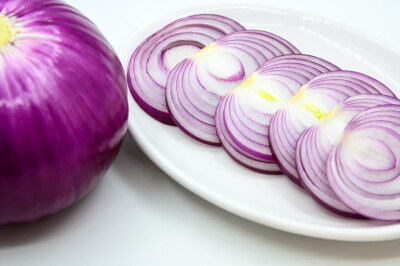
x=63, y=107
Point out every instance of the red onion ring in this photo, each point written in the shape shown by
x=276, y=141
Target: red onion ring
x=363, y=168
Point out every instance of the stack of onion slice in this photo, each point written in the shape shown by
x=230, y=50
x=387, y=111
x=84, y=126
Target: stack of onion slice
x=315, y=144
x=363, y=168
x=275, y=110
x=197, y=84
x=243, y=115
x=310, y=103
x=154, y=58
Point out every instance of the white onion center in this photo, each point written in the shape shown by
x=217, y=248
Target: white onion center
x=376, y=156
x=220, y=64
x=174, y=55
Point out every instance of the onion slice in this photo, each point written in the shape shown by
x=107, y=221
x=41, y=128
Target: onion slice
x=243, y=115
x=310, y=103
x=315, y=144
x=157, y=55
x=197, y=84
x=363, y=168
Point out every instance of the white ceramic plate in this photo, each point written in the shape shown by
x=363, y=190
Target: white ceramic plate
x=270, y=200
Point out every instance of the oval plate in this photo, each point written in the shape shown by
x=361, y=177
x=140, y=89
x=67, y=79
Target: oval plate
x=270, y=200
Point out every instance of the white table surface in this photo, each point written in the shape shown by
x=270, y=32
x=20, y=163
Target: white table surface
x=138, y=215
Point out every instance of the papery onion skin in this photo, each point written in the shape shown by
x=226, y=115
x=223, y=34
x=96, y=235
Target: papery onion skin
x=363, y=168
x=147, y=72
x=243, y=115
x=310, y=103
x=63, y=109
x=315, y=144
x=197, y=84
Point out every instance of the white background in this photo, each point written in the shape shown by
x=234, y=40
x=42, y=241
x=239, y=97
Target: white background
x=139, y=216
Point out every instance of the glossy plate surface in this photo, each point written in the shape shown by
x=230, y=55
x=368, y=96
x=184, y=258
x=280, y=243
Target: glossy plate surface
x=270, y=200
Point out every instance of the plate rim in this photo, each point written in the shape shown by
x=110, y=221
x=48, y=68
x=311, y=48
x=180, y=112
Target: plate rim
x=381, y=233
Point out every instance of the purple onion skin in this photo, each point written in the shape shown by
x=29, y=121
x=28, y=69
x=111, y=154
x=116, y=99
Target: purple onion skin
x=63, y=109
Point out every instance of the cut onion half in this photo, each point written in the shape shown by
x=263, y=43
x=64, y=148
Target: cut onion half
x=197, y=84
x=315, y=144
x=243, y=115
x=310, y=103
x=363, y=168
x=157, y=55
